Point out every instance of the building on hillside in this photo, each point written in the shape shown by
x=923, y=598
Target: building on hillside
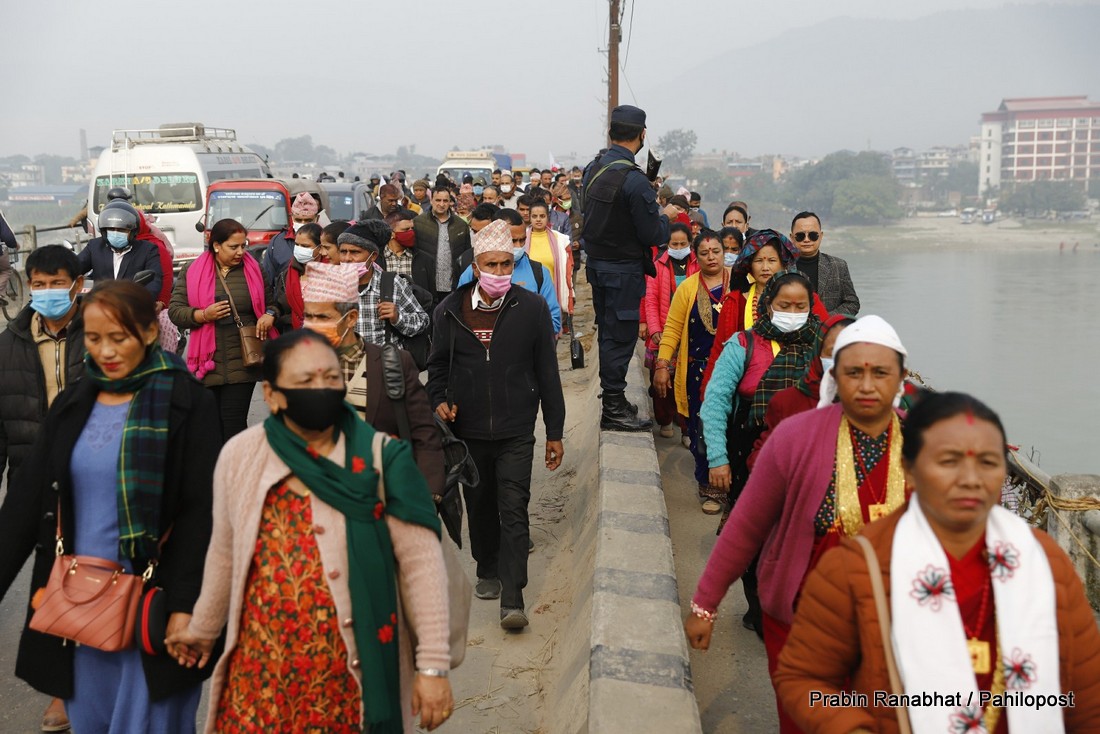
x=1040, y=139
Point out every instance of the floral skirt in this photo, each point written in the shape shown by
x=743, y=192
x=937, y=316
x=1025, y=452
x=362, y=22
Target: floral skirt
x=288, y=671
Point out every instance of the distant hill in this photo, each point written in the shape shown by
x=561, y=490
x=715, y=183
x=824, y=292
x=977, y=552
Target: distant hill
x=846, y=82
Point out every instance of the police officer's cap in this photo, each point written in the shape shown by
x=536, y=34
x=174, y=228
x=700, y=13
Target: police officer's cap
x=628, y=115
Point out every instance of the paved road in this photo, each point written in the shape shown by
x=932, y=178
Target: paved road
x=731, y=679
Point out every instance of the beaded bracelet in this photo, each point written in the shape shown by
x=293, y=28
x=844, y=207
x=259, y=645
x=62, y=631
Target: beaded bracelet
x=703, y=614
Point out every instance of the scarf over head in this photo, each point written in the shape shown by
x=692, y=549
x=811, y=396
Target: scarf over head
x=788, y=253
x=202, y=282
x=353, y=490
x=866, y=330
x=931, y=643
x=304, y=206
x=141, y=459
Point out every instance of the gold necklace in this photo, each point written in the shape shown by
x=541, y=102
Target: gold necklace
x=849, y=511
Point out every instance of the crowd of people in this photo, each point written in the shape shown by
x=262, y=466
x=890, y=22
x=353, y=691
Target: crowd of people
x=299, y=559
x=809, y=442
x=300, y=555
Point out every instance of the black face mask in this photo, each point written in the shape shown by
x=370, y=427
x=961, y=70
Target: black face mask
x=314, y=409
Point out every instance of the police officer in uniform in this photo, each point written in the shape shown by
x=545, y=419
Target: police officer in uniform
x=622, y=222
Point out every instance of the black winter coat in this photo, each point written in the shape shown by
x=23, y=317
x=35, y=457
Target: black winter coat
x=23, y=384
x=28, y=523
x=498, y=390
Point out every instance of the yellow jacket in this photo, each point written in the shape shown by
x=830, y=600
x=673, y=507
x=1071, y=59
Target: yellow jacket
x=674, y=337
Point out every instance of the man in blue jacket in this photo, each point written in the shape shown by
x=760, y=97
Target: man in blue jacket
x=492, y=366
x=525, y=272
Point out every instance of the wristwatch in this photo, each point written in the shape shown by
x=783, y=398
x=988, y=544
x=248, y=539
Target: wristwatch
x=433, y=672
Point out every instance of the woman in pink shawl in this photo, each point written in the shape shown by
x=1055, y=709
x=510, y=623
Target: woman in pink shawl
x=201, y=302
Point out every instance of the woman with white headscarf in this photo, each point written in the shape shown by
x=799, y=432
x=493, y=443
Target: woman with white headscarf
x=821, y=476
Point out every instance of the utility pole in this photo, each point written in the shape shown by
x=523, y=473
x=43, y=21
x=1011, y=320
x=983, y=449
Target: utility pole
x=615, y=34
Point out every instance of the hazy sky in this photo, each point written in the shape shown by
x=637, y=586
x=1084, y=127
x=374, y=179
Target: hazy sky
x=370, y=76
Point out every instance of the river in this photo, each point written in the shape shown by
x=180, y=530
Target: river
x=1019, y=330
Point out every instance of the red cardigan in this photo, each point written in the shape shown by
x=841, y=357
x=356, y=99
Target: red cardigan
x=659, y=290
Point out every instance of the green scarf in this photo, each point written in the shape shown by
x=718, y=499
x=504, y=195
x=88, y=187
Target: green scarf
x=141, y=460
x=353, y=490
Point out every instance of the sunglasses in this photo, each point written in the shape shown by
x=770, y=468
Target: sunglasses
x=802, y=236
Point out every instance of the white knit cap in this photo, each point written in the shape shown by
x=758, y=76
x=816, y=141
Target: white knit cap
x=866, y=330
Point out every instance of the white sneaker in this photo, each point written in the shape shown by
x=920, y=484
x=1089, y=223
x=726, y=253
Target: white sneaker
x=667, y=432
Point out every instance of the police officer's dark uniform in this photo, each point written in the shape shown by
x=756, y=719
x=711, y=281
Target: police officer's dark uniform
x=622, y=223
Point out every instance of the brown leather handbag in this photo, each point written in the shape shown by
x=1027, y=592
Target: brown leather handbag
x=252, y=349
x=89, y=600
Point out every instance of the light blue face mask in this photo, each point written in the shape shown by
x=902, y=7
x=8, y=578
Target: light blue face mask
x=517, y=253
x=118, y=240
x=678, y=254
x=479, y=190
x=729, y=259
x=303, y=254
x=52, y=303
x=827, y=363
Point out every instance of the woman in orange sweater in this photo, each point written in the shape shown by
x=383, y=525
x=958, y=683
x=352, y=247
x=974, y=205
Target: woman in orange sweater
x=978, y=602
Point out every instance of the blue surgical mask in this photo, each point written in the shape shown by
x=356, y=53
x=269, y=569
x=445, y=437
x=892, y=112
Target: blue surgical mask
x=52, y=303
x=478, y=190
x=729, y=259
x=827, y=363
x=517, y=253
x=678, y=254
x=303, y=254
x=118, y=240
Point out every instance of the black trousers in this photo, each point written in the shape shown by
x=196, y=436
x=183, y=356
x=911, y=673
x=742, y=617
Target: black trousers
x=497, y=511
x=233, y=404
x=617, y=291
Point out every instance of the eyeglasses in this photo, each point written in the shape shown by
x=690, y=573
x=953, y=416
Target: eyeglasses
x=801, y=236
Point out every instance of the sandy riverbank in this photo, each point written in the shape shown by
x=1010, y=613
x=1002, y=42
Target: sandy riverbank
x=930, y=234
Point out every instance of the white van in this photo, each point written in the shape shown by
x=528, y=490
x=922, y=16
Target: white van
x=477, y=163
x=167, y=170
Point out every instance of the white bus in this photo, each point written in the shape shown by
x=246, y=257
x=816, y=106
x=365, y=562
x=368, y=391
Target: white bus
x=167, y=171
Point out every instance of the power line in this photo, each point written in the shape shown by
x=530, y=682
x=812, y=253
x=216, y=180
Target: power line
x=629, y=35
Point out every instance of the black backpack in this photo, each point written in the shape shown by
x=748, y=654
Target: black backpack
x=459, y=464
x=419, y=346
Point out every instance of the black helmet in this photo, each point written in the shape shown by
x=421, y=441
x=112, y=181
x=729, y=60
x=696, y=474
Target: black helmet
x=116, y=217
x=124, y=206
x=120, y=193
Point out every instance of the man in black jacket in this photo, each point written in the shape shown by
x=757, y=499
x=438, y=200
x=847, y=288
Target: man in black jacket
x=41, y=353
x=441, y=234
x=119, y=254
x=492, y=365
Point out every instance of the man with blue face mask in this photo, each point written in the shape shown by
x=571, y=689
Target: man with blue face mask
x=41, y=353
x=119, y=254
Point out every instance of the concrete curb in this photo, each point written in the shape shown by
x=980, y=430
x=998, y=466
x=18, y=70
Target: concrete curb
x=639, y=671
